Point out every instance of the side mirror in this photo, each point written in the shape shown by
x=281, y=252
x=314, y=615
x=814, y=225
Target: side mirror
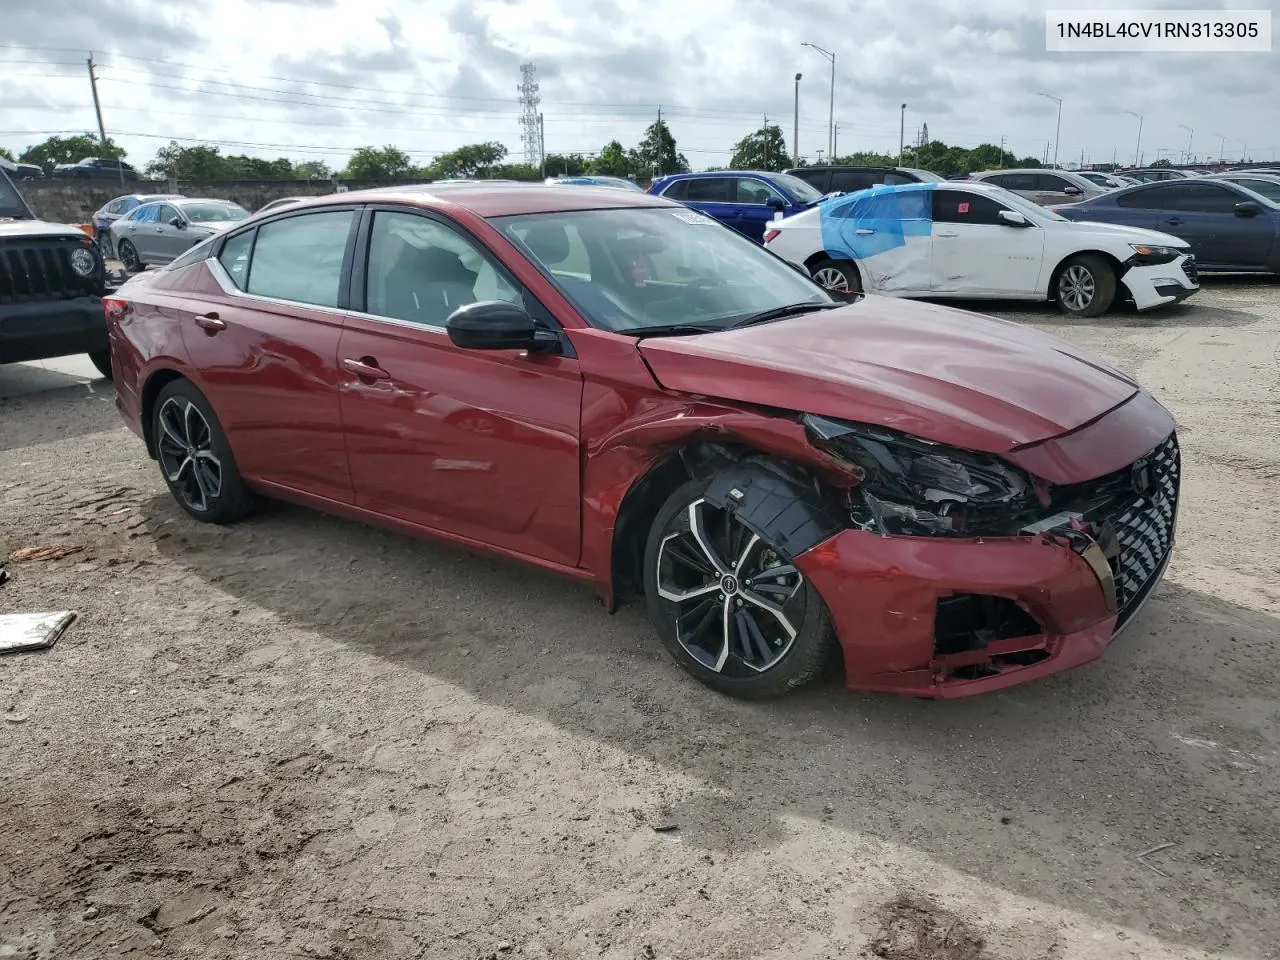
x=1072, y=190
x=496, y=325
x=1011, y=218
x=775, y=203
x=1247, y=208
x=177, y=222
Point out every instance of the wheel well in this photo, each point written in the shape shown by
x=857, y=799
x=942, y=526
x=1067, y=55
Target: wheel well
x=645, y=498
x=1101, y=254
x=817, y=258
x=150, y=390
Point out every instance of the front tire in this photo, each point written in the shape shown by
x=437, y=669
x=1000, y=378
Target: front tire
x=839, y=277
x=102, y=360
x=129, y=258
x=195, y=458
x=1085, y=286
x=731, y=607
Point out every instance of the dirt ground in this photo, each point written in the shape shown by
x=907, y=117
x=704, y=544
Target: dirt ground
x=300, y=737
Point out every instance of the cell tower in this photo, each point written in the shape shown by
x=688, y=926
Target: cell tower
x=530, y=133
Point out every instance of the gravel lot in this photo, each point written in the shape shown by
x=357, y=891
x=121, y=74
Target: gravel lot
x=300, y=737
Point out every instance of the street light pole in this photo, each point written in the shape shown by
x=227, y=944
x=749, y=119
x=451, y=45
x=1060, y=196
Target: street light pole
x=831, y=113
x=1137, y=147
x=1190, y=133
x=1058, y=133
x=1244, y=149
x=795, y=128
x=902, y=131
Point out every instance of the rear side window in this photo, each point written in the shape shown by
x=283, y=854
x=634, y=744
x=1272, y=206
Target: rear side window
x=847, y=181
x=1200, y=198
x=1141, y=199
x=1047, y=181
x=756, y=191
x=148, y=214
x=957, y=206
x=300, y=259
x=713, y=190
x=678, y=190
x=896, y=178
x=1021, y=181
x=818, y=179
x=234, y=257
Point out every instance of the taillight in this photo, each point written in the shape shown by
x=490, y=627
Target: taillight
x=116, y=308
x=771, y=235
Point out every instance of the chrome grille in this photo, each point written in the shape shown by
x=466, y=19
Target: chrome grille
x=1142, y=525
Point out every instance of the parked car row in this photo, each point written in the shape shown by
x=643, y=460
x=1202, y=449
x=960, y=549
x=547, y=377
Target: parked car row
x=612, y=386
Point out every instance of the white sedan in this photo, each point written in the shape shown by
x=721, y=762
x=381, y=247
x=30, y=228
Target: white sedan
x=971, y=240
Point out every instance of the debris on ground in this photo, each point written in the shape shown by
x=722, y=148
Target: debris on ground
x=20, y=632
x=24, y=554
x=915, y=928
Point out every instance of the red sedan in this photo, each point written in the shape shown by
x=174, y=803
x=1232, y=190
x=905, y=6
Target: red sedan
x=615, y=387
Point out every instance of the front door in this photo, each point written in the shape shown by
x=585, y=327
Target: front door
x=1204, y=215
x=977, y=254
x=758, y=202
x=480, y=444
x=262, y=332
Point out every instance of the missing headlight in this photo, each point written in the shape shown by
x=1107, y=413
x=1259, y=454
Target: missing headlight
x=918, y=487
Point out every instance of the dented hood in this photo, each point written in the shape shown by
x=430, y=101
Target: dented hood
x=943, y=374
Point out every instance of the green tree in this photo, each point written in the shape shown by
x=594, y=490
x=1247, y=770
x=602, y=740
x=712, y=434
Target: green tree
x=471, y=160
x=57, y=150
x=372, y=163
x=612, y=161
x=7, y=154
x=865, y=158
x=656, y=153
x=256, y=168
x=312, y=170
x=197, y=163
x=565, y=164
x=764, y=149
x=516, y=171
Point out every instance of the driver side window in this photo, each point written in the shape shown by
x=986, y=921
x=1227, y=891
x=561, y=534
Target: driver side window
x=957, y=206
x=756, y=192
x=421, y=270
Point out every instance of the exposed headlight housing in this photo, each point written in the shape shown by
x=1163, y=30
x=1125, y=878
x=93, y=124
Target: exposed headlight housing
x=915, y=487
x=84, y=262
x=1148, y=254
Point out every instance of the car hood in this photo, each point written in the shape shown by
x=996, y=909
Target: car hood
x=1122, y=234
x=37, y=228
x=946, y=375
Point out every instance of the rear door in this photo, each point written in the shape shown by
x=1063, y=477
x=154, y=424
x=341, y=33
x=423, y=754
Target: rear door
x=716, y=197
x=1136, y=208
x=168, y=241
x=481, y=444
x=262, y=333
x=1023, y=184
x=1204, y=214
x=141, y=231
x=976, y=254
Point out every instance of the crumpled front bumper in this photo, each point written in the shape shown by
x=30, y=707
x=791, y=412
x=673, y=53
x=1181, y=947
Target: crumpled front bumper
x=1162, y=284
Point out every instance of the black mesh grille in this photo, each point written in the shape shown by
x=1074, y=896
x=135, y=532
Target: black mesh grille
x=1142, y=522
x=1189, y=268
x=41, y=270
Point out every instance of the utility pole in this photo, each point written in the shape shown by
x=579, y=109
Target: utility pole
x=658, y=163
x=542, y=146
x=1057, y=136
x=831, y=110
x=97, y=108
x=1000, y=165
x=835, y=139
x=1137, y=147
x=1082, y=158
x=795, y=128
x=1222, y=148
x=902, y=129
x=1190, y=134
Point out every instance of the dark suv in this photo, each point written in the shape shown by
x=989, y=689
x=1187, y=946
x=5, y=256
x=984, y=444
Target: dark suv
x=838, y=178
x=95, y=168
x=51, y=285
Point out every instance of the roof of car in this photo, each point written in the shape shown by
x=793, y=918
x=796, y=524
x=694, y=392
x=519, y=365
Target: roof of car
x=720, y=173
x=494, y=199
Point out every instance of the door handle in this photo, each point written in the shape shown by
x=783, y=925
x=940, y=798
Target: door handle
x=1174, y=220
x=864, y=232
x=947, y=234
x=366, y=368
x=209, y=323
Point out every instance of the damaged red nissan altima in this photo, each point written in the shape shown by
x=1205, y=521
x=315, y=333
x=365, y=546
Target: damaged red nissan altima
x=613, y=386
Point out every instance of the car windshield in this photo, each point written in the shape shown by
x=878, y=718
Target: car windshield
x=804, y=192
x=634, y=268
x=11, y=205
x=214, y=212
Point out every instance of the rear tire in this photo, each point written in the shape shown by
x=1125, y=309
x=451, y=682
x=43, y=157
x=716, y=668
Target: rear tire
x=195, y=458
x=1084, y=286
x=129, y=258
x=837, y=277
x=102, y=360
x=731, y=608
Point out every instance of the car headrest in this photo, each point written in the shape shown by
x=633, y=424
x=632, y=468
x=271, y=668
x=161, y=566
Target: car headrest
x=548, y=242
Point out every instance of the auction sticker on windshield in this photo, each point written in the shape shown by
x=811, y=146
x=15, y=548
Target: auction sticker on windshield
x=1156, y=31
x=690, y=216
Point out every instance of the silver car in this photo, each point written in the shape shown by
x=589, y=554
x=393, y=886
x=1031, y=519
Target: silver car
x=1267, y=184
x=1045, y=187
x=160, y=232
x=113, y=210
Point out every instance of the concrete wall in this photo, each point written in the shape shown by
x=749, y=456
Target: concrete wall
x=74, y=201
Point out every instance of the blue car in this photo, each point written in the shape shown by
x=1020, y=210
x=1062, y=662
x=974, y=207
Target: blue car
x=746, y=200
x=1227, y=226
x=597, y=180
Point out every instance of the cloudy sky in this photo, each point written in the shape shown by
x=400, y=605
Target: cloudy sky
x=313, y=79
